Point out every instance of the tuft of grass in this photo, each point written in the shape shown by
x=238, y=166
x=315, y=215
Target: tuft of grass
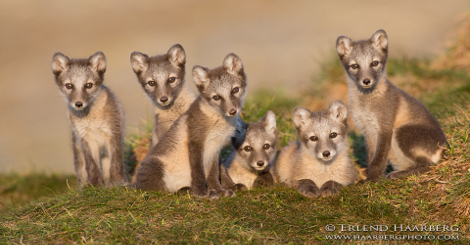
x=136, y=147
x=138, y=142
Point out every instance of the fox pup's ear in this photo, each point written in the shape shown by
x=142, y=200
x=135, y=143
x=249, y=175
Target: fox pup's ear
x=233, y=64
x=300, y=116
x=339, y=111
x=139, y=62
x=380, y=40
x=200, y=76
x=176, y=55
x=60, y=63
x=97, y=62
x=269, y=121
x=343, y=46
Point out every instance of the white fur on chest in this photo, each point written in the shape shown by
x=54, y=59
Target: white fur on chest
x=366, y=121
x=93, y=131
x=341, y=170
x=241, y=175
x=364, y=117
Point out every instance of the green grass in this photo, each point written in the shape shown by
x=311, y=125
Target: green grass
x=276, y=215
x=38, y=208
x=18, y=189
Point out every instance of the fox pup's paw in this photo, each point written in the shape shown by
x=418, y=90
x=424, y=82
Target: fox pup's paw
x=199, y=193
x=213, y=195
x=308, y=188
x=330, y=188
x=396, y=175
x=239, y=187
x=265, y=179
x=226, y=193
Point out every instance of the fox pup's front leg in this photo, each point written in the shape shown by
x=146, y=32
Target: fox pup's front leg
x=198, y=179
x=213, y=182
x=264, y=179
x=92, y=169
x=117, y=168
x=307, y=188
x=226, y=181
x=378, y=163
x=330, y=188
x=79, y=161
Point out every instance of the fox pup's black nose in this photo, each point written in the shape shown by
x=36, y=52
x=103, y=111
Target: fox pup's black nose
x=326, y=153
x=163, y=99
x=260, y=163
x=366, y=82
x=232, y=112
x=79, y=104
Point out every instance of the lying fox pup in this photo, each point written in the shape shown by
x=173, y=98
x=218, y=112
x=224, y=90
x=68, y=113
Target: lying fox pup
x=188, y=153
x=255, y=149
x=319, y=163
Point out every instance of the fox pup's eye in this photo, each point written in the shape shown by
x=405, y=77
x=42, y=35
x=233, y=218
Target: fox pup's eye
x=89, y=85
x=333, y=135
x=355, y=66
x=69, y=86
x=151, y=83
x=216, y=97
x=171, y=80
x=266, y=146
x=375, y=63
x=235, y=90
x=314, y=138
x=248, y=148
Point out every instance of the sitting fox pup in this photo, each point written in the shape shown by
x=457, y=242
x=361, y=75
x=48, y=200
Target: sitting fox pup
x=188, y=153
x=96, y=117
x=255, y=149
x=396, y=126
x=162, y=79
x=319, y=163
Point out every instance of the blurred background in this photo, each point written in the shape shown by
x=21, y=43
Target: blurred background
x=281, y=44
